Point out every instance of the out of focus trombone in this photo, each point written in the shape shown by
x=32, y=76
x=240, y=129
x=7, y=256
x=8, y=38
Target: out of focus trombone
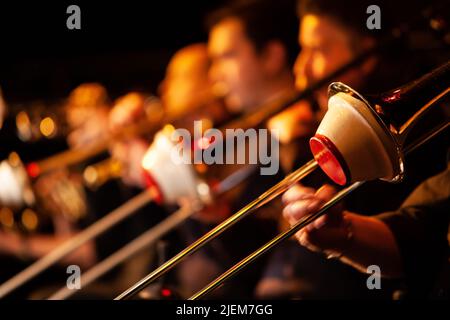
x=162, y=176
x=32, y=193
x=97, y=174
x=188, y=209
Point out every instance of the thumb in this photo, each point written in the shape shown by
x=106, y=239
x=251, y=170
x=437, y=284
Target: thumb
x=334, y=214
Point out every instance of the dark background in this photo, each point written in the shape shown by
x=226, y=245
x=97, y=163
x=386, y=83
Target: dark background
x=123, y=44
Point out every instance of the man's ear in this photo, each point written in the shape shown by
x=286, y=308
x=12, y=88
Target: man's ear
x=274, y=57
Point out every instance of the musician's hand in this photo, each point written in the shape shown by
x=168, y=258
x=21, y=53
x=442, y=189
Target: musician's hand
x=130, y=154
x=327, y=233
x=12, y=244
x=127, y=110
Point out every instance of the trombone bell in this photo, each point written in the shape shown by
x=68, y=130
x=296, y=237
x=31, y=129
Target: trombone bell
x=15, y=186
x=362, y=149
x=166, y=171
x=364, y=139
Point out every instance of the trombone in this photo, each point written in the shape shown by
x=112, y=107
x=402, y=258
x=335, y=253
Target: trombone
x=246, y=122
x=99, y=227
x=149, y=237
x=195, y=189
x=266, y=197
x=72, y=157
x=234, y=270
x=99, y=173
x=432, y=89
x=256, y=118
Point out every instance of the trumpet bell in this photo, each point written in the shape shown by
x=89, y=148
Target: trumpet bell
x=352, y=143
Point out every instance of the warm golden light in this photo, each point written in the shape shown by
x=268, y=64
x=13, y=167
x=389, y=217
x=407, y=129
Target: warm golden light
x=47, y=127
x=29, y=219
x=168, y=129
x=14, y=159
x=6, y=217
x=90, y=175
x=23, y=125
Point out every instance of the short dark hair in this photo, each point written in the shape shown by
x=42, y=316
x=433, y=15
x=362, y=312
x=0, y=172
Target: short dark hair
x=264, y=21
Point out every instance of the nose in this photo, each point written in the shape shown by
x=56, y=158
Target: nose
x=213, y=73
x=303, y=69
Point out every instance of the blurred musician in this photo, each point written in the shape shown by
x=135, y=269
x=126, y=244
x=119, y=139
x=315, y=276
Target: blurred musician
x=186, y=95
x=252, y=46
x=87, y=115
x=60, y=195
x=186, y=90
x=129, y=151
x=86, y=105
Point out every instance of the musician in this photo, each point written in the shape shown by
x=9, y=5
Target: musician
x=332, y=35
x=186, y=95
x=252, y=46
x=87, y=105
x=129, y=151
x=87, y=111
x=411, y=242
x=81, y=114
x=186, y=90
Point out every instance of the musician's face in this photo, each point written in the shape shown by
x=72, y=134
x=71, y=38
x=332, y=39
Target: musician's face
x=326, y=46
x=186, y=84
x=237, y=68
